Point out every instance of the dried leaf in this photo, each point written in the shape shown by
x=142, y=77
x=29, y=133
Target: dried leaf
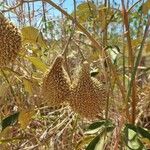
x=28, y=86
x=25, y=117
x=146, y=7
x=147, y=47
x=104, y=15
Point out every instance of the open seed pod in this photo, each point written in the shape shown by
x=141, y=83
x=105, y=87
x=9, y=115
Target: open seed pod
x=88, y=95
x=56, y=84
x=10, y=41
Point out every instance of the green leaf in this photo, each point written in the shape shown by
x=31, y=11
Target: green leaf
x=131, y=137
x=106, y=127
x=50, y=25
x=135, y=145
x=100, y=126
x=10, y=120
x=84, y=141
x=110, y=128
x=38, y=63
x=93, y=143
x=96, y=125
x=1, y=4
x=143, y=132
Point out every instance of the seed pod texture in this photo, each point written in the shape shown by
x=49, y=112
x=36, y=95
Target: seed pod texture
x=10, y=41
x=88, y=95
x=56, y=84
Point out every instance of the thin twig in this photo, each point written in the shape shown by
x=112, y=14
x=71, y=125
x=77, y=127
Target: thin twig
x=95, y=43
x=133, y=6
x=75, y=13
x=64, y=53
x=82, y=55
x=14, y=7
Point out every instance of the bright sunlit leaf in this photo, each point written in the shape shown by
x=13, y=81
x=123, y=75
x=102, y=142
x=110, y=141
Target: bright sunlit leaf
x=33, y=36
x=28, y=86
x=38, y=63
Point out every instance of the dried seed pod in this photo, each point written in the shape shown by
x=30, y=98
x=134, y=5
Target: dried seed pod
x=88, y=95
x=10, y=41
x=56, y=85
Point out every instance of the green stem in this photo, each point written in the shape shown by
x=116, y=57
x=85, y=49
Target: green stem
x=138, y=58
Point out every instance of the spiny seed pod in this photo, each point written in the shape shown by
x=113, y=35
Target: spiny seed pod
x=10, y=41
x=88, y=95
x=56, y=88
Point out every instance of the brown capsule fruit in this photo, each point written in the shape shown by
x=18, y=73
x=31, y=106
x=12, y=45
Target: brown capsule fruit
x=10, y=41
x=56, y=84
x=88, y=95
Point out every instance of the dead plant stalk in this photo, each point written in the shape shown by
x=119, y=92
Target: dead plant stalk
x=130, y=62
